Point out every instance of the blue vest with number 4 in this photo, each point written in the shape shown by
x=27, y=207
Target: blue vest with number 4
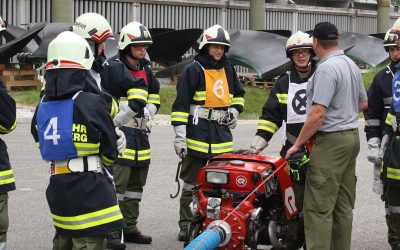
x=54, y=120
x=396, y=91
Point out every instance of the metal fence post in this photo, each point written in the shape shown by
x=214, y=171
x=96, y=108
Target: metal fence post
x=135, y=12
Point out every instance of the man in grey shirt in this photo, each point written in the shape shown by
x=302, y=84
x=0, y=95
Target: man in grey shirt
x=335, y=97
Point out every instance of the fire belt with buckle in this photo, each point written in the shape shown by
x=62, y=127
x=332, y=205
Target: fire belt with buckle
x=138, y=123
x=77, y=165
x=208, y=113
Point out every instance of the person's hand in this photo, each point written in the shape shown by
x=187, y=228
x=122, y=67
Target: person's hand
x=294, y=149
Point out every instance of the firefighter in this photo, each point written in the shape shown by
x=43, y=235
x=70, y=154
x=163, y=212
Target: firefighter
x=74, y=132
x=390, y=146
x=114, y=78
x=286, y=106
x=379, y=101
x=8, y=123
x=207, y=106
x=131, y=169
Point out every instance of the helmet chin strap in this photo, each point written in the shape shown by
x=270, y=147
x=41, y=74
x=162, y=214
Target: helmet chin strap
x=128, y=52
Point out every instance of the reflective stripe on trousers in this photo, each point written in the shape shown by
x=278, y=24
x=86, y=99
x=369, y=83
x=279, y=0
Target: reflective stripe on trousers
x=393, y=210
x=130, y=195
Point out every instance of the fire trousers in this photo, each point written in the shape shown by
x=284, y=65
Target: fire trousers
x=64, y=242
x=392, y=204
x=129, y=183
x=3, y=219
x=190, y=169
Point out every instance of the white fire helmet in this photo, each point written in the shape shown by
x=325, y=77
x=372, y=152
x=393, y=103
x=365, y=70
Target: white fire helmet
x=134, y=32
x=299, y=40
x=3, y=24
x=69, y=51
x=215, y=35
x=391, y=39
x=93, y=26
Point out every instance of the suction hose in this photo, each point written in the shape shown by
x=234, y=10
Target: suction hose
x=217, y=234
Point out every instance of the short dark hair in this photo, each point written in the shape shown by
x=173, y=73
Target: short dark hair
x=327, y=44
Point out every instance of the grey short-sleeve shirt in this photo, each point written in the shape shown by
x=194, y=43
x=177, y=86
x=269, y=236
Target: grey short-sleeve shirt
x=337, y=85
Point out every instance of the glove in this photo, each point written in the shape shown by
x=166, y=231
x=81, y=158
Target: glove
x=229, y=119
x=121, y=141
x=258, y=145
x=384, y=145
x=233, y=118
x=297, y=167
x=124, y=115
x=151, y=111
x=180, y=141
x=373, y=150
x=377, y=185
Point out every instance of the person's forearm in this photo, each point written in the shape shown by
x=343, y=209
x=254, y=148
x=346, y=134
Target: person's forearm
x=313, y=123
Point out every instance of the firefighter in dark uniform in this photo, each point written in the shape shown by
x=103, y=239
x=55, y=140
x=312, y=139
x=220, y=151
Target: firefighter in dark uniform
x=379, y=101
x=113, y=78
x=8, y=123
x=286, y=107
x=75, y=133
x=384, y=93
x=131, y=169
x=209, y=100
x=96, y=30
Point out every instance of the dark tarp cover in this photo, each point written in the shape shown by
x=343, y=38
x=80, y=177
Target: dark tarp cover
x=169, y=47
x=368, y=50
x=15, y=46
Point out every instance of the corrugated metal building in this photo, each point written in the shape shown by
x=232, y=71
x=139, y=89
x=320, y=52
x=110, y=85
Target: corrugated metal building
x=180, y=14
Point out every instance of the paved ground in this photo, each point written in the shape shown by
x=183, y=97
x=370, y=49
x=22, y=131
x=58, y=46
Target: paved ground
x=30, y=224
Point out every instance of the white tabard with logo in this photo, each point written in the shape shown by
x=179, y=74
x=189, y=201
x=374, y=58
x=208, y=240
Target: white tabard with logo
x=296, y=102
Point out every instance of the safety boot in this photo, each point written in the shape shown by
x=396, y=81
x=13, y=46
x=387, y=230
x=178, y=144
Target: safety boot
x=137, y=237
x=182, y=235
x=114, y=241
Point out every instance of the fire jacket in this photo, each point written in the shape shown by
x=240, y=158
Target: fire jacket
x=7, y=124
x=72, y=124
x=206, y=138
x=379, y=101
x=117, y=81
x=137, y=152
x=391, y=160
x=275, y=109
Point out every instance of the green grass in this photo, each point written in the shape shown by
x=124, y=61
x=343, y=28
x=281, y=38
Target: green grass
x=26, y=98
x=369, y=76
x=254, y=98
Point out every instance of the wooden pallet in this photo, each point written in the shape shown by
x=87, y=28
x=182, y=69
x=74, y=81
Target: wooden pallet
x=253, y=80
x=22, y=78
